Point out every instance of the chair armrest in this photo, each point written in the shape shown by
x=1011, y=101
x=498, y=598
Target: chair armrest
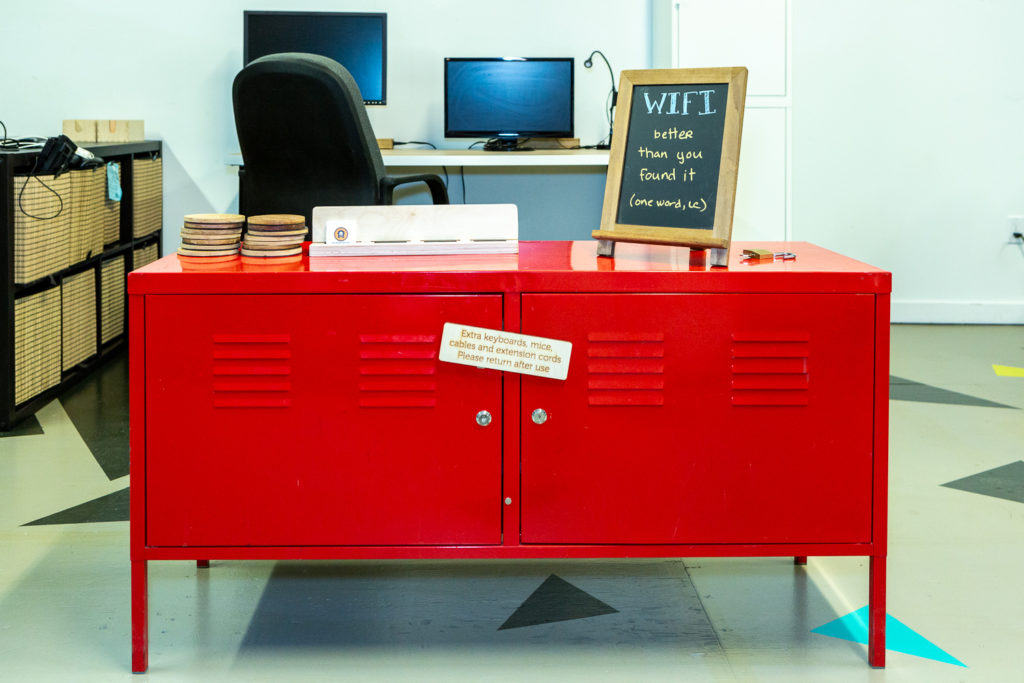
x=438, y=192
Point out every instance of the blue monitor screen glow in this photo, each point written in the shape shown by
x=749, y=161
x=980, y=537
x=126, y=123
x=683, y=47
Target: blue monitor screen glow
x=357, y=41
x=508, y=97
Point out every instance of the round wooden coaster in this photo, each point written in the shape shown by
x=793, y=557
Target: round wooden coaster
x=191, y=250
x=267, y=253
x=250, y=244
x=265, y=246
x=258, y=232
x=187, y=239
x=205, y=218
x=209, y=247
x=270, y=244
x=207, y=259
x=277, y=219
x=274, y=228
x=275, y=262
x=208, y=234
x=211, y=227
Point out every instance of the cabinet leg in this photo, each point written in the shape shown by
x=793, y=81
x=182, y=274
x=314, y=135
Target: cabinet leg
x=202, y=564
x=140, y=617
x=800, y=559
x=876, y=612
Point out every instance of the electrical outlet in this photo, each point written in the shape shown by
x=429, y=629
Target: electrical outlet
x=1016, y=228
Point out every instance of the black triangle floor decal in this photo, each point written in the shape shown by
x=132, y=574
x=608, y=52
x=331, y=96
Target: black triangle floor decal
x=905, y=390
x=112, y=507
x=556, y=600
x=1005, y=482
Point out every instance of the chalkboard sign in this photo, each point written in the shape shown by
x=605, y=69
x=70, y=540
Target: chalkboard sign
x=675, y=154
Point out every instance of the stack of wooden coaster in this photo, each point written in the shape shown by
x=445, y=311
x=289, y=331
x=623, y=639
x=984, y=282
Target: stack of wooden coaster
x=211, y=235
x=276, y=234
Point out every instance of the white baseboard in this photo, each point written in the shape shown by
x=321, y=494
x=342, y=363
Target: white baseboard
x=959, y=312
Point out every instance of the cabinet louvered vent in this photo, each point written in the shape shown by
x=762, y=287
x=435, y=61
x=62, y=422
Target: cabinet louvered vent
x=770, y=369
x=397, y=370
x=626, y=368
x=252, y=370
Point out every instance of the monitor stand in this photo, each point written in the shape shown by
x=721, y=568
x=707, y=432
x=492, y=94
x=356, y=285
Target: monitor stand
x=505, y=145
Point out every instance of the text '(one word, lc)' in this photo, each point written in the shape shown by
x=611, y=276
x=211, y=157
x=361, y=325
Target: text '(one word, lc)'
x=675, y=99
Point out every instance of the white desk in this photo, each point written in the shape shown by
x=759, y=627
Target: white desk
x=538, y=182
x=478, y=157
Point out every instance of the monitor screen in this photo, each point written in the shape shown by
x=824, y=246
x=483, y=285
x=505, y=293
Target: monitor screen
x=357, y=41
x=508, y=97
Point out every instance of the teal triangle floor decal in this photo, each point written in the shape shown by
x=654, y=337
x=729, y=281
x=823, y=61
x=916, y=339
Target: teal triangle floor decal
x=898, y=636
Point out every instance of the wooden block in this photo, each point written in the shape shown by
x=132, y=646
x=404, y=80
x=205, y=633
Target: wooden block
x=386, y=143
x=120, y=130
x=80, y=130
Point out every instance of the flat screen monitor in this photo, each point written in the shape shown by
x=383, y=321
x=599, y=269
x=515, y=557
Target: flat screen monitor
x=507, y=98
x=358, y=41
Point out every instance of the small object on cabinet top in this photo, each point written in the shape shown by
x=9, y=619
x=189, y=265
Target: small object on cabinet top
x=765, y=254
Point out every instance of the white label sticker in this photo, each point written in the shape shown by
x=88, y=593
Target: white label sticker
x=509, y=351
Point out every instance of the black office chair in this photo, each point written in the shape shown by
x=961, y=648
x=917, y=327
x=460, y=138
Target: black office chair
x=306, y=140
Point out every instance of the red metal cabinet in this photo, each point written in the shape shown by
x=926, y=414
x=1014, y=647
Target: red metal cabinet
x=703, y=418
x=298, y=411
x=318, y=420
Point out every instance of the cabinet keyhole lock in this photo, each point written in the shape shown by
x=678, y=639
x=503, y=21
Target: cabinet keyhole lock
x=539, y=416
x=483, y=418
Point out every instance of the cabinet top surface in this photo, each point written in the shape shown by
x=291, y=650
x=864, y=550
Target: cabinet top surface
x=539, y=266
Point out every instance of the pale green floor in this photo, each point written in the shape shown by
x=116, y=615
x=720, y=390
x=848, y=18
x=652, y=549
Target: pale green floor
x=955, y=576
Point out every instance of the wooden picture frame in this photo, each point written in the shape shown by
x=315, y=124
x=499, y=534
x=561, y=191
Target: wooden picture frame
x=661, y=185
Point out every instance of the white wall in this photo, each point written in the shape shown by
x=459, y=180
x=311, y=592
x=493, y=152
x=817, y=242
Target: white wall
x=906, y=137
x=908, y=147
x=754, y=34
x=172, y=63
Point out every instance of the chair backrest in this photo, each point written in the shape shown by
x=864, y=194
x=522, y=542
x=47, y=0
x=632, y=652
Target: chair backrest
x=304, y=136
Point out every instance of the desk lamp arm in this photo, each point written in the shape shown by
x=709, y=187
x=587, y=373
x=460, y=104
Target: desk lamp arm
x=589, y=62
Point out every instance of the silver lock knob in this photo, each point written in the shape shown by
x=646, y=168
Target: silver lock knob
x=539, y=416
x=483, y=418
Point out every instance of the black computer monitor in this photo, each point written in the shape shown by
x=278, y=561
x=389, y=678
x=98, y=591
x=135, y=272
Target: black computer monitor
x=507, y=98
x=356, y=40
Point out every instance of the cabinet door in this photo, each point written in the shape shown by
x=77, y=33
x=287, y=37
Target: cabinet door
x=711, y=418
x=318, y=420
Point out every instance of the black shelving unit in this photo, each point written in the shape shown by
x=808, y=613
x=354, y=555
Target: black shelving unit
x=17, y=163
